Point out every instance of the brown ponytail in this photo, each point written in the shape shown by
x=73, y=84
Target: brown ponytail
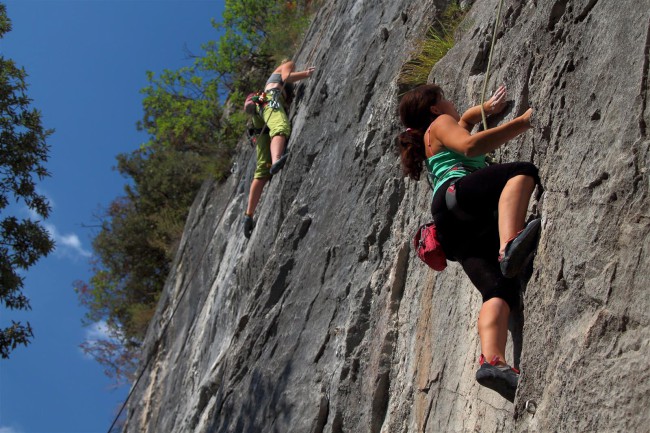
x=411, y=151
x=415, y=114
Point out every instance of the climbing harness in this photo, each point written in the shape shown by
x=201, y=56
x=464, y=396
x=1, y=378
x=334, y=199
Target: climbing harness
x=452, y=204
x=487, y=71
x=272, y=98
x=450, y=195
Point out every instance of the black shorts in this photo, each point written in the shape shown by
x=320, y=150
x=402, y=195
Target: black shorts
x=475, y=243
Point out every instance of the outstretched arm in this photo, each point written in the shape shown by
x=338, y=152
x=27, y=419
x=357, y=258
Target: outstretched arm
x=288, y=76
x=297, y=76
x=455, y=137
x=493, y=105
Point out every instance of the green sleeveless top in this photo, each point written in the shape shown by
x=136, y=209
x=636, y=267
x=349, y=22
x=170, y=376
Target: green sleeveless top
x=448, y=164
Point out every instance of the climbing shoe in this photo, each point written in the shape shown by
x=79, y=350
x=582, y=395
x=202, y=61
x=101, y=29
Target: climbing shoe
x=275, y=168
x=500, y=378
x=249, y=225
x=513, y=259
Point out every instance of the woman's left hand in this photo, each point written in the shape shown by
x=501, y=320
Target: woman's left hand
x=497, y=102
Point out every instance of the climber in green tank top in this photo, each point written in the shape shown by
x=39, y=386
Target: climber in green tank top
x=467, y=196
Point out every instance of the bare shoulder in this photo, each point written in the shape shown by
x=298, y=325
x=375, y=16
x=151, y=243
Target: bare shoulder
x=287, y=66
x=433, y=136
x=447, y=133
x=443, y=121
x=446, y=124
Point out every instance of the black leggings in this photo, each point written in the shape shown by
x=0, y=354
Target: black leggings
x=475, y=243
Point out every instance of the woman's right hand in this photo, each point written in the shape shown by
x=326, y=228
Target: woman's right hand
x=497, y=102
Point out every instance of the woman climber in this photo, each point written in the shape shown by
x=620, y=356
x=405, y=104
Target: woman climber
x=273, y=112
x=467, y=194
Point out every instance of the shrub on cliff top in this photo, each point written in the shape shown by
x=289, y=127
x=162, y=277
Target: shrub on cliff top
x=438, y=39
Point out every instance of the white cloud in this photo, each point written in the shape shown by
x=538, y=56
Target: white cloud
x=67, y=244
x=97, y=331
x=9, y=430
x=94, y=333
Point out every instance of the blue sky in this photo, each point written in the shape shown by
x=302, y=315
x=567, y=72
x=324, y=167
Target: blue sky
x=86, y=61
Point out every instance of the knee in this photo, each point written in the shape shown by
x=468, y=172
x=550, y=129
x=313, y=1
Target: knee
x=527, y=180
x=493, y=309
x=529, y=171
x=258, y=183
x=281, y=133
x=509, y=299
x=282, y=130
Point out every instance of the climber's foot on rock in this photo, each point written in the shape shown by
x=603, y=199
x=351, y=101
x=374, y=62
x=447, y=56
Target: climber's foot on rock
x=518, y=249
x=249, y=225
x=498, y=377
x=275, y=168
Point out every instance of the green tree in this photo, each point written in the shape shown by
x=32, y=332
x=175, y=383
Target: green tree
x=23, y=152
x=138, y=238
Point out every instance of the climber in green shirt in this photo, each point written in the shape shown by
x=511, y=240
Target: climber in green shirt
x=468, y=194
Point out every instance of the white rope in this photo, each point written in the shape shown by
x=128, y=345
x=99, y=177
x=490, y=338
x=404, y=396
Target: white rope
x=487, y=72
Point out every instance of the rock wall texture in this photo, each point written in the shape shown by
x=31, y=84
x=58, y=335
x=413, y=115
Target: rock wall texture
x=324, y=321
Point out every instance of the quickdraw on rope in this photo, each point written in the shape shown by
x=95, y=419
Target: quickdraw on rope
x=487, y=71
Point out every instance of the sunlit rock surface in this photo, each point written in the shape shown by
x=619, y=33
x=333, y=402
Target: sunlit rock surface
x=324, y=321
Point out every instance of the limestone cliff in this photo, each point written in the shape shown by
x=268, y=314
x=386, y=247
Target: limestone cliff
x=324, y=321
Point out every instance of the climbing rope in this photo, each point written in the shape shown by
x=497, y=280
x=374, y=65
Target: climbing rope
x=320, y=36
x=487, y=72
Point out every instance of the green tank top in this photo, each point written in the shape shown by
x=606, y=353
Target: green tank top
x=448, y=164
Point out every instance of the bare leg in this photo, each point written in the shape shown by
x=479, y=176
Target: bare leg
x=493, y=328
x=255, y=193
x=277, y=147
x=513, y=205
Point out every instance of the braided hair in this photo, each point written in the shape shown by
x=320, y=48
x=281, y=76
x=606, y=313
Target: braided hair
x=415, y=113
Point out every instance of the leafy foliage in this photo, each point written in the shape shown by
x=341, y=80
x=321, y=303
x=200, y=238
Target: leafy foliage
x=429, y=50
x=193, y=134
x=286, y=30
x=23, y=153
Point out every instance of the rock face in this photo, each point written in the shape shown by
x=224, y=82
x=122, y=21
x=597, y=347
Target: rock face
x=324, y=321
